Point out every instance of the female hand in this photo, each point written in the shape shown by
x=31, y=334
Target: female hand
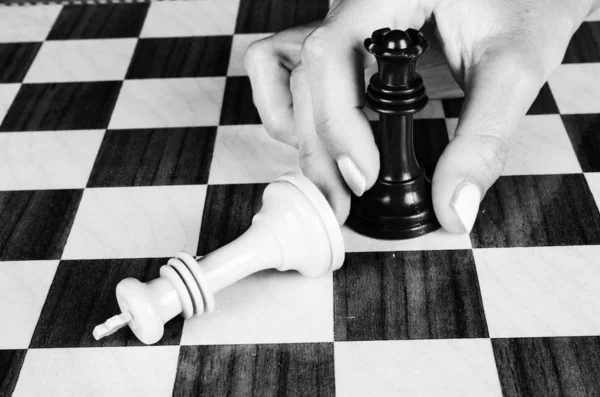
x=308, y=87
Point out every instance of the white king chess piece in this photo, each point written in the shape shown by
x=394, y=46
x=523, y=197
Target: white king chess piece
x=295, y=229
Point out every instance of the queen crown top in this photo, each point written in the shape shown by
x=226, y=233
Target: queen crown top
x=397, y=43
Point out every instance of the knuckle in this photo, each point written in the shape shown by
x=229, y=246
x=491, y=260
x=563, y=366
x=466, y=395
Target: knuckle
x=326, y=127
x=308, y=156
x=315, y=46
x=275, y=129
x=256, y=53
x=280, y=131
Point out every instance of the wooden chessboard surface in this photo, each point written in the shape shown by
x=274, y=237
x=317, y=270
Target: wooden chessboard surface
x=128, y=133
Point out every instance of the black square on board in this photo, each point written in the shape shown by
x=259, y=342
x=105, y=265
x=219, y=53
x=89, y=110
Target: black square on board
x=11, y=362
x=228, y=212
x=36, y=224
x=62, y=106
x=15, y=60
x=584, y=132
x=82, y=295
x=180, y=57
x=544, y=103
x=99, y=21
x=291, y=369
x=452, y=107
x=584, y=46
x=408, y=295
x=155, y=157
x=558, y=366
x=537, y=211
x=431, y=138
x=238, y=105
x=270, y=16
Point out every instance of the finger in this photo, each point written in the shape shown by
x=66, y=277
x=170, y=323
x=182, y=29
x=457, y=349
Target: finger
x=335, y=60
x=499, y=91
x=315, y=161
x=268, y=63
x=270, y=81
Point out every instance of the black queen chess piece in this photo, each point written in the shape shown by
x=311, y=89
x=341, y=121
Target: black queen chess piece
x=399, y=205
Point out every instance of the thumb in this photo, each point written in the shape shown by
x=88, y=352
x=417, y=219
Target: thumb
x=499, y=90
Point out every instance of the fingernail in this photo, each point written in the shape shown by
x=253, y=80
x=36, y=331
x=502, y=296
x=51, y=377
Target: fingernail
x=352, y=175
x=465, y=203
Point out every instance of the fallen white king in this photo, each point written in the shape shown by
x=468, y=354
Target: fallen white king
x=295, y=229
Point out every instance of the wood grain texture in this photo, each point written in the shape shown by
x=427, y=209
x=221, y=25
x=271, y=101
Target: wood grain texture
x=180, y=57
x=256, y=370
x=238, y=105
x=11, y=362
x=228, y=212
x=154, y=157
x=537, y=211
x=584, y=132
x=15, y=60
x=408, y=295
x=82, y=295
x=64, y=106
x=99, y=21
x=548, y=367
x=36, y=224
x=270, y=16
x=434, y=68
x=584, y=46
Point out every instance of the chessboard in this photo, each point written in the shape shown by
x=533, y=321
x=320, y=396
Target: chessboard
x=128, y=133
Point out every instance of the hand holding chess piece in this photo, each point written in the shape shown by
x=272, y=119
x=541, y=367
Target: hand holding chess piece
x=308, y=86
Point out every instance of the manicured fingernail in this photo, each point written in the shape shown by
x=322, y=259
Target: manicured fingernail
x=466, y=204
x=352, y=175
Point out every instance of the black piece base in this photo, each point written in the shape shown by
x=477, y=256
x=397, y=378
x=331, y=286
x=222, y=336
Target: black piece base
x=394, y=211
x=379, y=230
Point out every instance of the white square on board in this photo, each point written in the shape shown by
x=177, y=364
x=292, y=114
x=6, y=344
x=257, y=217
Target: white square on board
x=27, y=23
x=81, y=60
x=47, y=159
x=437, y=240
x=267, y=307
x=540, y=291
x=24, y=286
x=247, y=154
x=136, y=222
x=444, y=367
x=238, y=49
x=541, y=146
x=115, y=371
x=576, y=88
x=190, y=18
x=8, y=92
x=593, y=180
x=451, y=125
x=162, y=103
